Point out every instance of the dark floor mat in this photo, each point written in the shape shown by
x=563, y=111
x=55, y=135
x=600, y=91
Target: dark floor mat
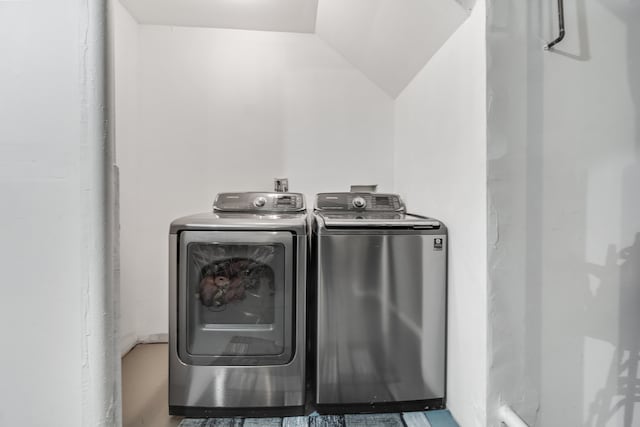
x=441, y=418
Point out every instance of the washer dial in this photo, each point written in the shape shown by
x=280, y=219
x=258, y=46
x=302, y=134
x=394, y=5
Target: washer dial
x=359, y=203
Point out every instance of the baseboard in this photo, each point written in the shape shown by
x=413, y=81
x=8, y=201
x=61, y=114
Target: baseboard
x=153, y=339
x=127, y=343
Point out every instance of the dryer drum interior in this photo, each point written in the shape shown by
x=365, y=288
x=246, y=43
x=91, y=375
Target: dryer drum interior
x=235, y=298
x=236, y=302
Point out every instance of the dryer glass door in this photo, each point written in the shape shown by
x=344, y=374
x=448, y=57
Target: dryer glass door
x=235, y=297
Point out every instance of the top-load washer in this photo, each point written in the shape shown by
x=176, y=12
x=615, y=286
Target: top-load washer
x=237, y=284
x=380, y=312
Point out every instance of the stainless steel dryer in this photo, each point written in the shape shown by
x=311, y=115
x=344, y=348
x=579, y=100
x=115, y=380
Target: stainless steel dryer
x=237, y=307
x=380, y=283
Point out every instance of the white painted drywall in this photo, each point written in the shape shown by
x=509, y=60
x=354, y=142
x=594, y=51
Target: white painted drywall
x=564, y=173
x=440, y=159
x=467, y=4
x=389, y=40
x=229, y=110
x=126, y=81
x=273, y=15
x=57, y=366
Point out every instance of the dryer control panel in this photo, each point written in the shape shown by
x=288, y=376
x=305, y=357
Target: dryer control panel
x=345, y=202
x=259, y=202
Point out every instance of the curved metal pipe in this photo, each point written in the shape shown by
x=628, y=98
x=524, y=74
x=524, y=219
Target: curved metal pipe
x=560, y=37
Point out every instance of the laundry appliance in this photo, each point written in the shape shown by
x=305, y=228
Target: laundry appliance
x=380, y=313
x=237, y=282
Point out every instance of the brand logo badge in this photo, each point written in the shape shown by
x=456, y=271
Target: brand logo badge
x=437, y=244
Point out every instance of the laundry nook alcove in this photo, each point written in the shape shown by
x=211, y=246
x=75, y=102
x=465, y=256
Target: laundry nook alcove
x=218, y=96
x=356, y=212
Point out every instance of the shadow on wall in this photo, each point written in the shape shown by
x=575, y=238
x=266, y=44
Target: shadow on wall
x=618, y=290
x=565, y=183
x=581, y=29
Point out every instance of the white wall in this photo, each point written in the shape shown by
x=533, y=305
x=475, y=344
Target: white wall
x=274, y=15
x=56, y=367
x=126, y=53
x=564, y=173
x=389, y=40
x=590, y=342
x=440, y=170
x=229, y=110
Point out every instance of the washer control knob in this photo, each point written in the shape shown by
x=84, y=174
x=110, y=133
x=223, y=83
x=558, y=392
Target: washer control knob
x=260, y=202
x=359, y=203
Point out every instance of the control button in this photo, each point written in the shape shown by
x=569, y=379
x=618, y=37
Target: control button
x=359, y=203
x=260, y=202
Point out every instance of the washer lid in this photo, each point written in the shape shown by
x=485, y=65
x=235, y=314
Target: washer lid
x=377, y=220
x=255, y=202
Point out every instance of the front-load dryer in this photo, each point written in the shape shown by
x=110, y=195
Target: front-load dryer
x=380, y=312
x=237, y=283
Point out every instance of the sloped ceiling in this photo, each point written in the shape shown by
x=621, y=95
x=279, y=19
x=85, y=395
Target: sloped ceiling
x=388, y=40
x=298, y=16
x=467, y=4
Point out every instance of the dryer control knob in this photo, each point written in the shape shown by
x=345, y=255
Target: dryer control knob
x=359, y=203
x=260, y=202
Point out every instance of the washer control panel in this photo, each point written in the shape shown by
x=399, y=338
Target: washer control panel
x=377, y=202
x=259, y=202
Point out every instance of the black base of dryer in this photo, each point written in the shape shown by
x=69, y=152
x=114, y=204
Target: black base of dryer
x=205, y=412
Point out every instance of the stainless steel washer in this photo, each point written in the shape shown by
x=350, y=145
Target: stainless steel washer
x=237, y=284
x=380, y=315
